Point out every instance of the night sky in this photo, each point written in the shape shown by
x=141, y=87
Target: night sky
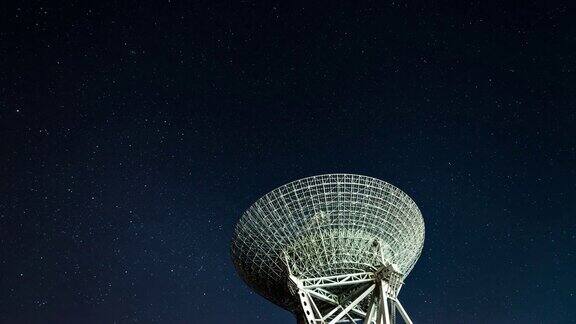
x=133, y=135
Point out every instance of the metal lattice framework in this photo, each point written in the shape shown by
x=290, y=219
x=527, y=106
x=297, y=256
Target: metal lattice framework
x=331, y=248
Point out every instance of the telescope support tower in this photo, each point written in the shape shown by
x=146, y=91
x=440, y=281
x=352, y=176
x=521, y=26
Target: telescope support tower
x=378, y=290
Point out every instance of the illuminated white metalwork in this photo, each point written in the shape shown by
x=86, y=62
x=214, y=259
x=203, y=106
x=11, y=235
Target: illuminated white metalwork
x=331, y=248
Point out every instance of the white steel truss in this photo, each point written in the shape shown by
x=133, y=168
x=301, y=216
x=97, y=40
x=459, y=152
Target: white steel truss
x=373, y=291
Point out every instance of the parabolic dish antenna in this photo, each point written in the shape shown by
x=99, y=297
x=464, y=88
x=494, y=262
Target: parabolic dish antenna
x=332, y=248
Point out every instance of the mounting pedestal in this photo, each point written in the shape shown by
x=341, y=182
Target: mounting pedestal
x=363, y=297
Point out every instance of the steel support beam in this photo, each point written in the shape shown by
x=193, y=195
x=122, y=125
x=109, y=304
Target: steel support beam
x=353, y=304
x=348, y=306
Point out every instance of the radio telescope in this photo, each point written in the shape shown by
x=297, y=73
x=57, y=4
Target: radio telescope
x=332, y=248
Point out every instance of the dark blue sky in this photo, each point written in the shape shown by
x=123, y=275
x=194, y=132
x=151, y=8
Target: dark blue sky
x=133, y=134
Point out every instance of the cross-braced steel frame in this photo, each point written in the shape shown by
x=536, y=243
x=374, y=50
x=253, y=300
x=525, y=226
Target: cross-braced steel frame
x=362, y=297
x=376, y=295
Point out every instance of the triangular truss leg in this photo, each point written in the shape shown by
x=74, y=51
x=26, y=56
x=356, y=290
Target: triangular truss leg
x=401, y=310
x=384, y=315
x=371, y=300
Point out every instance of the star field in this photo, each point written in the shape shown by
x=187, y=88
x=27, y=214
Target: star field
x=134, y=134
